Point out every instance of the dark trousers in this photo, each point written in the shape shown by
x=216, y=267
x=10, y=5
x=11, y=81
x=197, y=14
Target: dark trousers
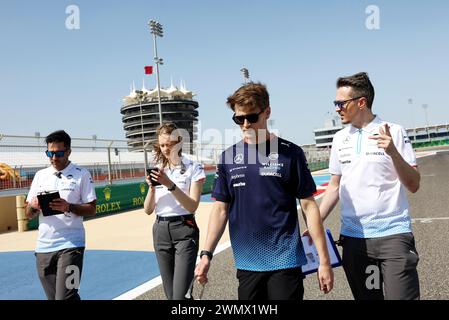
x=176, y=247
x=60, y=273
x=382, y=268
x=284, y=284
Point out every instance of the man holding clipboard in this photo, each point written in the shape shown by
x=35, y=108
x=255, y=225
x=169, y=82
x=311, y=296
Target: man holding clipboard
x=61, y=195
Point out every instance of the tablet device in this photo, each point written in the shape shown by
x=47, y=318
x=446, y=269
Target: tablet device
x=44, y=199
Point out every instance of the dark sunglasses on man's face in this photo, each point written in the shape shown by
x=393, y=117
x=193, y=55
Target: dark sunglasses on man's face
x=58, y=154
x=340, y=104
x=252, y=118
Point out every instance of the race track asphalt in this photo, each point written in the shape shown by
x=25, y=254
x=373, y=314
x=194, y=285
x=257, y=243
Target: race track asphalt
x=430, y=214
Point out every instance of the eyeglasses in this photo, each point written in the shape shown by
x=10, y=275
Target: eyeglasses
x=340, y=104
x=58, y=154
x=252, y=118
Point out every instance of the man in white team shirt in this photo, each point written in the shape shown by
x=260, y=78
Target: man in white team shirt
x=61, y=240
x=372, y=165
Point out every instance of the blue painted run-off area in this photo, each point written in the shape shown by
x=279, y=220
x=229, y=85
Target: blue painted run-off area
x=106, y=274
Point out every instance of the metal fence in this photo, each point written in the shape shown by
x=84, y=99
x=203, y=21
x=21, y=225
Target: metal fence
x=109, y=161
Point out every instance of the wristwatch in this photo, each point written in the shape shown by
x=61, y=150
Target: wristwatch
x=172, y=188
x=206, y=253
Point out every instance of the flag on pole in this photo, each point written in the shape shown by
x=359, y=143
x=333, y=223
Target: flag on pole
x=148, y=69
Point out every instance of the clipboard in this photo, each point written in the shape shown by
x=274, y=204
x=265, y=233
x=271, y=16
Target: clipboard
x=311, y=253
x=44, y=199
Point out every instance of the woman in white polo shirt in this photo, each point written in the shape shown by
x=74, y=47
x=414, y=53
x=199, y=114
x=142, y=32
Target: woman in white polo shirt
x=175, y=200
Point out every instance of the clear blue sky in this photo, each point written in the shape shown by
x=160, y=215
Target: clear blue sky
x=52, y=77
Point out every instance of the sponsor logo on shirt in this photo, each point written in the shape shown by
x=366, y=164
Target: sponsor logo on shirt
x=180, y=180
x=272, y=164
x=345, y=155
x=346, y=140
x=286, y=144
x=239, y=184
x=345, y=148
x=237, y=168
x=68, y=187
x=375, y=153
x=345, y=162
x=270, y=172
x=238, y=158
x=237, y=176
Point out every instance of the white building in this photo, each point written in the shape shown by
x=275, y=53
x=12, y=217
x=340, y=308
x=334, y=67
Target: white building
x=429, y=134
x=324, y=136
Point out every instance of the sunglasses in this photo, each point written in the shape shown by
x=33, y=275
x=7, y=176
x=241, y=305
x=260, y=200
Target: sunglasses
x=340, y=104
x=58, y=154
x=252, y=118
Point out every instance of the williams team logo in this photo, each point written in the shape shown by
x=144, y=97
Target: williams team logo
x=273, y=156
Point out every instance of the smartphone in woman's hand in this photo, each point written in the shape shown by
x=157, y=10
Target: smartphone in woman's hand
x=152, y=181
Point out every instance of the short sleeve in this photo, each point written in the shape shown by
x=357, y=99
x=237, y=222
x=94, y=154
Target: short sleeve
x=33, y=188
x=404, y=146
x=198, y=172
x=220, y=189
x=334, y=163
x=306, y=185
x=87, y=188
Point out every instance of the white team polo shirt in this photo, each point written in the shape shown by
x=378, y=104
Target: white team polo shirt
x=373, y=200
x=183, y=175
x=62, y=231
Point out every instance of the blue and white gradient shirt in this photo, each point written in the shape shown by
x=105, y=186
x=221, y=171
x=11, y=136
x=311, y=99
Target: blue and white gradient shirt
x=373, y=200
x=261, y=184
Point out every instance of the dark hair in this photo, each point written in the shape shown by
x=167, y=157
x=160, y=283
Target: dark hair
x=59, y=136
x=165, y=128
x=251, y=95
x=361, y=86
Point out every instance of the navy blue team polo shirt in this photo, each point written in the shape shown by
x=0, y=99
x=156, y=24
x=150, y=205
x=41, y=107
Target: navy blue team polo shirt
x=261, y=183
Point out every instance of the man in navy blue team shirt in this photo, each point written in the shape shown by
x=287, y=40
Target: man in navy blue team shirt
x=257, y=183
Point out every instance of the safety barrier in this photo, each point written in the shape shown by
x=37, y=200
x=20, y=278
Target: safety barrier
x=431, y=143
x=320, y=165
x=117, y=198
